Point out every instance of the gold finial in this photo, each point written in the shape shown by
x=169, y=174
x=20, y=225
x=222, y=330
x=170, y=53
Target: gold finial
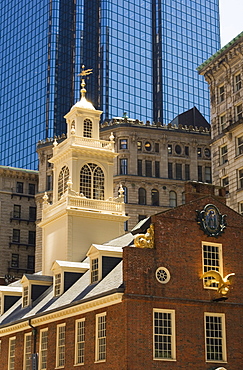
x=85, y=72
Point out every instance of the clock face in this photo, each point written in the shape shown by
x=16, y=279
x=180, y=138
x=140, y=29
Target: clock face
x=211, y=221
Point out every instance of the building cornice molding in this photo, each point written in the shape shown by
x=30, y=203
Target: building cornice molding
x=63, y=313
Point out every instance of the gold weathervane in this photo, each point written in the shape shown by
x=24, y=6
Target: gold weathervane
x=85, y=72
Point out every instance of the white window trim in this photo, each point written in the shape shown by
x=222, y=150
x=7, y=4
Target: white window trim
x=9, y=345
x=58, y=346
x=61, y=283
x=173, y=336
x=76, y=341
x=40, y=348
x=222, y=315
x=25, y=353
x=220, y=262
x=97, y=339
x=99, y=257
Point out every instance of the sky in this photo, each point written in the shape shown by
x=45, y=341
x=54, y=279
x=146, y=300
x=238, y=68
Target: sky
x=231, y=19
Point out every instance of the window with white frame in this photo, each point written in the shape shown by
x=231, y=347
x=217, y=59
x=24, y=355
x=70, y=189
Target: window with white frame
x=223, y=154
x=164, y=334
x=11, y=353
x=79, y=341
x=60, y=349
x=62, y=181
x=212, y=260
x=43, y=349
x=237, y=82
x=87, y=128
x=27, y=352
x=221, y=94
x=240, y=145
x=239, y=111
x=25, y=296
x=92, y=181
x=100, y=353
x=240, y=178
x=94, y=270
x=215, y=343
x=57, y=287
x=222, y=122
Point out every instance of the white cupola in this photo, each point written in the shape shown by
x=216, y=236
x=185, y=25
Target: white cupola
x=83, y=209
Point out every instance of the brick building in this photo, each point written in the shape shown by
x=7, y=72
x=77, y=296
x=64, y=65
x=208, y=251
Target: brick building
x=138, y=301
x=17, y=222
x=223, y=72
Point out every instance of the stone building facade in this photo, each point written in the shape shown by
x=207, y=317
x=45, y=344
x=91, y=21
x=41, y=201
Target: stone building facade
x=154, y=161
x=17, y=222
x=224, y=74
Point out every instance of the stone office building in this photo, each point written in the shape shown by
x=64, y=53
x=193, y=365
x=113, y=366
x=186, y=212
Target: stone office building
x=17, y=222
x=224, y=74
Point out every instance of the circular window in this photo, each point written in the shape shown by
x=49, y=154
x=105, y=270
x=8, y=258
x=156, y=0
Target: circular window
x=162, y=274
x=178, y=149
x=207, y=152
x=148, y=146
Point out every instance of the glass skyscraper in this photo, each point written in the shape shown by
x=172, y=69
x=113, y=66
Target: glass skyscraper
x=144, y=56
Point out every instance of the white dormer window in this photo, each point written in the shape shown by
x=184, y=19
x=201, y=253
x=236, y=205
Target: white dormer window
x=94, y=270
x=57, y=289
x=87, y=128
x=25, y=296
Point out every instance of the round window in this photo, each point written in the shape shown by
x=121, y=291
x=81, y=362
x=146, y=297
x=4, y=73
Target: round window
x=178, y=149
x=207, y=152
x=148, y=146
x=162, y=274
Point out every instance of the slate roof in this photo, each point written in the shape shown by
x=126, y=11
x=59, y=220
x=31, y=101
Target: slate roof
x=81, y=291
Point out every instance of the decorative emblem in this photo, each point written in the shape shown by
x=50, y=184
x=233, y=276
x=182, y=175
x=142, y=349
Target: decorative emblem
x=223, y=282
x=211, y=221
x=145, y=240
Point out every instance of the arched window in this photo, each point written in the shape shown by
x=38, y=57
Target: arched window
x=173, y=199
x=141, y=196
x=87, y=128
x=62, y=181
x=154, y=197
x=92, y=181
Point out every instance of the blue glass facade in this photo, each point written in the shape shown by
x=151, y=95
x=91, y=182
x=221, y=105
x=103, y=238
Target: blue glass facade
x=144, y=56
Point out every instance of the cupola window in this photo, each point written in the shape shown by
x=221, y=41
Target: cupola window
x=62, y=181
x=92, y=181
x=87, y=128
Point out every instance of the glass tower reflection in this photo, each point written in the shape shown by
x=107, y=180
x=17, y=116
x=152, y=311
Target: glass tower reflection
x=144, y=56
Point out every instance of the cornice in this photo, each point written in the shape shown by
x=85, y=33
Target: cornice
x=63, y=313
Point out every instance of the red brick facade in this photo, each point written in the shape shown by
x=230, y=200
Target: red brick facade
x=129, y=329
